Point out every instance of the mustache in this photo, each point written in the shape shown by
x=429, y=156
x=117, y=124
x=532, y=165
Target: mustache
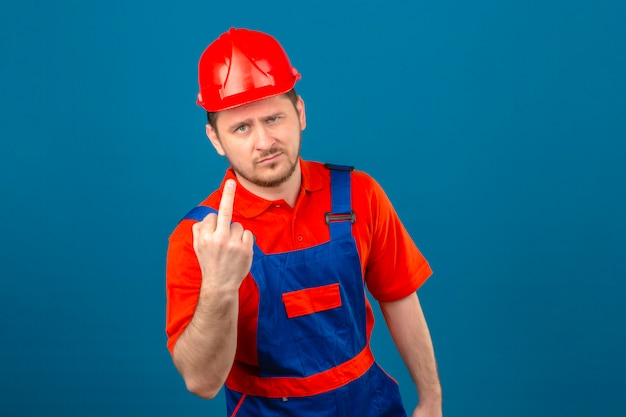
x=269, y=152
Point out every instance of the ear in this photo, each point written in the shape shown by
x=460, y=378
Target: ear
x=301, y=112
x=215, y=139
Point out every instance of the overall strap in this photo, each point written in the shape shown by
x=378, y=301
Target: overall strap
x=199, y=213
x=342, y=216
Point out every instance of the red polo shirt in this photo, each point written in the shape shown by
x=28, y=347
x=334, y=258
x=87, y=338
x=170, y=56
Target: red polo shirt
x=392, y=265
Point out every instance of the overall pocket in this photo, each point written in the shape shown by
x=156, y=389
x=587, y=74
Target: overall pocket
x=312, y=300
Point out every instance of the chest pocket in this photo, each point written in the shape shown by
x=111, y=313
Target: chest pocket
x=312, y=300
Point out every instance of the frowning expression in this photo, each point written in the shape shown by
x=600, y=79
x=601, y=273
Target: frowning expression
x=261, y=140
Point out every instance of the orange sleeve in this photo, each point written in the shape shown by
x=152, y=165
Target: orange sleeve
x=395, y=266
x=183, y=279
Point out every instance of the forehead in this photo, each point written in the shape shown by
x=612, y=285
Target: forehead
x=257, y=109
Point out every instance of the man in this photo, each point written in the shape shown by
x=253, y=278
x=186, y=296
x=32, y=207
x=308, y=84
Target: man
x=266, y=278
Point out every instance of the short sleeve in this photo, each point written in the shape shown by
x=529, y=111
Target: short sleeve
x=395, y=267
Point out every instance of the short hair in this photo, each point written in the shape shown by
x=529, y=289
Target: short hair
x=212, y=116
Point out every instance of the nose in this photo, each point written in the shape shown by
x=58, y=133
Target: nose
x=264, y=138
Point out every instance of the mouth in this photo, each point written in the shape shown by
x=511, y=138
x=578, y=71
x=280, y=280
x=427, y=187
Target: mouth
x=269, y=158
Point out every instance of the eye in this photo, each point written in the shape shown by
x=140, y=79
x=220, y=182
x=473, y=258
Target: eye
x=273, y=119
x=241, y=129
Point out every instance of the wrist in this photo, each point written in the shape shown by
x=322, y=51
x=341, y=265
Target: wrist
x=431, y=397
x=217, y=295
x=431, y=402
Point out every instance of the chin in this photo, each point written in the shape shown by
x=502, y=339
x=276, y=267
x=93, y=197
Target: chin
x=274, y=179
x=269, y=176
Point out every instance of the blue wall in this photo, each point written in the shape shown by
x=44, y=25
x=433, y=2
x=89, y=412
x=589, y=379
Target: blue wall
x=496, y=127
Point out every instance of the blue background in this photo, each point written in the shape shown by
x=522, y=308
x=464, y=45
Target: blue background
x=496, y=127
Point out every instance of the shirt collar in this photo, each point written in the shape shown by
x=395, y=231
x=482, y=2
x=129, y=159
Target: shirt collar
x=250, y=205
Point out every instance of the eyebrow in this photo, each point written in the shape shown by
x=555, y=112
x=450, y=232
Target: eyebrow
x=274, y=115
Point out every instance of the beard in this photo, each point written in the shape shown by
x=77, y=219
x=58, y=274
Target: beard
x=274, y=179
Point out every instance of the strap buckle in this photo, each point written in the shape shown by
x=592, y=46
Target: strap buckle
x=340, y=217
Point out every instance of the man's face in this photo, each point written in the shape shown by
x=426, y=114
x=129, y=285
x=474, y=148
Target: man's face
x=261, y=140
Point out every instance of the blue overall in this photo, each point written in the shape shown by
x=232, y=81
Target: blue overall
x=300, y=344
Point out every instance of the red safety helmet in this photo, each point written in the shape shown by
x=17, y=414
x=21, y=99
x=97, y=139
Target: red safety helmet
x=243, y=66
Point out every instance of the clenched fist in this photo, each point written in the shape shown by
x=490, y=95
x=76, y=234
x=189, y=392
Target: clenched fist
x=224, y=250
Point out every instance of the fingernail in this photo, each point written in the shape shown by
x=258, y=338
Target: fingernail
x=230, y=183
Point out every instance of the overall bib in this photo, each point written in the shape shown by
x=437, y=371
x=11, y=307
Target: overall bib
x=313, y=353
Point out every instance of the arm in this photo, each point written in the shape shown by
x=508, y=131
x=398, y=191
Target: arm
x=409, y=331
x=205, y=351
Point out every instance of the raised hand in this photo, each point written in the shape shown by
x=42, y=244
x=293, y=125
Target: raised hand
x=224, y=249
